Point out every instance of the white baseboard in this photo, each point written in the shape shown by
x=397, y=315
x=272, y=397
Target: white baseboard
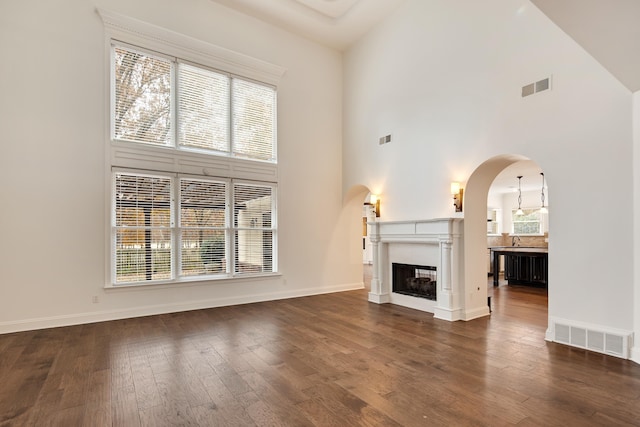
x=475, y=313
x=379, y=298
x=447, y=314
x=150, y=310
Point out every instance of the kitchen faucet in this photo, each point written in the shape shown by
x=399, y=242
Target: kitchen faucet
x=515, y=239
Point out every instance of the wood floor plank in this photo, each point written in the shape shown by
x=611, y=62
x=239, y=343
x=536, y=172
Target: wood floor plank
x=168, y=415
x=124, y=407
x=229, y=416
x=262, y=415
x=281, y=406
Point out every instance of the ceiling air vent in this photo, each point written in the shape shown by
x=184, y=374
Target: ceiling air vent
x=536, y=87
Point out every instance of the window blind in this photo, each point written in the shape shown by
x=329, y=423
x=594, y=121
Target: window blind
x=253, y=228
x=203, y=108
x=142, y=223
x=202, y=227
x=254, y=120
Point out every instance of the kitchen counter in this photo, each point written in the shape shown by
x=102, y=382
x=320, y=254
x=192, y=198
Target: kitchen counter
x=524, y=265
x=523, y=249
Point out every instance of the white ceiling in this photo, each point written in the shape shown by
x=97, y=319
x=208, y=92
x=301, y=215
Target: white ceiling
x=507, y=180
x=335, y=23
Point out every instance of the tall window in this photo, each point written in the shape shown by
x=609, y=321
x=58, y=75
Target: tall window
x=528, y=223
x=142, y=227
x=214, y=220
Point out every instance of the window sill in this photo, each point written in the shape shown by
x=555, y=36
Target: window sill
x=189, y=282
x=128, y=156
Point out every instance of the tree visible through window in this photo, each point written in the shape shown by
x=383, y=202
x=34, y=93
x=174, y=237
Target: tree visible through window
x=142, y=105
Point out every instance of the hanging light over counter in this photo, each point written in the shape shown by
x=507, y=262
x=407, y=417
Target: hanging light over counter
x=519, y=211
x=543, y=209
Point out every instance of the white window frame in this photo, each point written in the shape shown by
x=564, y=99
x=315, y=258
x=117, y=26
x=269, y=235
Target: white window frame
x=175, y=114
x=230, y=230
x=120, y=155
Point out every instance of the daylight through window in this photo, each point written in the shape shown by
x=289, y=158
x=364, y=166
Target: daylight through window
x=184, y=206
x=160, y=100
x=528, y=223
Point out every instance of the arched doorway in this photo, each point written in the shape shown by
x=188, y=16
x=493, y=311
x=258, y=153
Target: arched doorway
x=357, y=200
x=475, y=229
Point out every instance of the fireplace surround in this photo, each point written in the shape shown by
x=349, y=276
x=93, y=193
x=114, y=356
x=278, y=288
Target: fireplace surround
x=436, y=243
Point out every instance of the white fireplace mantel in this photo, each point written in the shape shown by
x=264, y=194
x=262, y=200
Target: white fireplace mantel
x=438, y=241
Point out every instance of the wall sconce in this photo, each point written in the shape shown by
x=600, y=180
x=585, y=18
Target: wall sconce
x=374, y=202
x=457, y=192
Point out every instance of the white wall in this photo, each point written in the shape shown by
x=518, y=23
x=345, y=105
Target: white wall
x=444, y=78
x=52, y=165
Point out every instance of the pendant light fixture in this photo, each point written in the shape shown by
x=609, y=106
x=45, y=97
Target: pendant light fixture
x=519, y=211
x=543, y=209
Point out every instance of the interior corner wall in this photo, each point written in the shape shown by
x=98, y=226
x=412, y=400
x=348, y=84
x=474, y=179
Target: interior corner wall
x=635, y=351
x=53, y=110
x=444, y=79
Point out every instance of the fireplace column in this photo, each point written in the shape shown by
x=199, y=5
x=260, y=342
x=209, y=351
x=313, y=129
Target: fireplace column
x=376, y=295
x=447, y=299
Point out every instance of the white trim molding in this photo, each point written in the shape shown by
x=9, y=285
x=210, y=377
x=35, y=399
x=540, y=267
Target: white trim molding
x=131, y=30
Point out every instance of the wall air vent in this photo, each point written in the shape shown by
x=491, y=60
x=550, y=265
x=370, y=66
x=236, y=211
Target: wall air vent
x=611, y=343
x=536, y=87
x=384, y=139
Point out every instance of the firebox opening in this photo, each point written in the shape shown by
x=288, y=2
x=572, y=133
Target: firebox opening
x=414, y=280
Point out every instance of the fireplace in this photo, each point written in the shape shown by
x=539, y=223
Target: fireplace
x=422, y=243
x=414, y=280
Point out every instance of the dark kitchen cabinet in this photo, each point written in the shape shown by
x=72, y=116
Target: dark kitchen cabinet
x=526, y=268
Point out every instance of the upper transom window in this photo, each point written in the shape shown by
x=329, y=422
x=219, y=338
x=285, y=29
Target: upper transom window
x=166, y=102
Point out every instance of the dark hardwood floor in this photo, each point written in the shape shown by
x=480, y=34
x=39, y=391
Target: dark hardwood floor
x=328, y=360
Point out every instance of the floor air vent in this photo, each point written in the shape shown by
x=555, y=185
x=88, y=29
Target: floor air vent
x=614, y=344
